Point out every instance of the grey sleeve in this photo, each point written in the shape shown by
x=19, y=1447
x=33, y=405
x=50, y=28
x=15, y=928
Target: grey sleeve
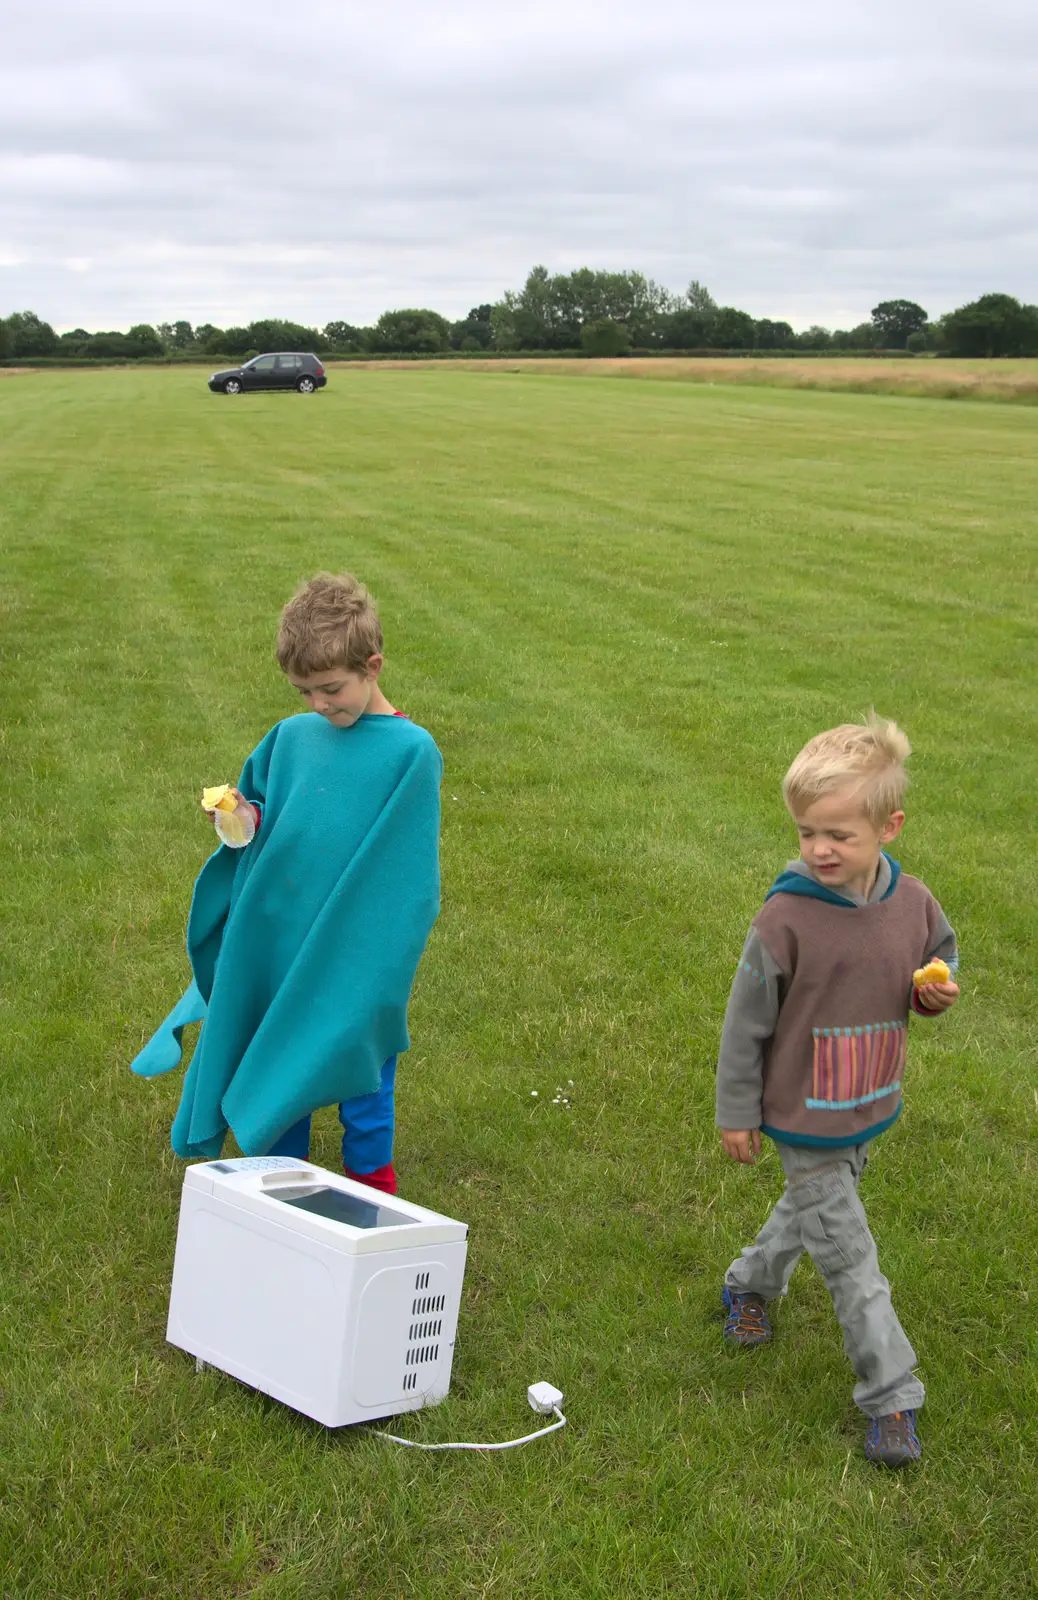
x=945, y=947
x=753, y=1008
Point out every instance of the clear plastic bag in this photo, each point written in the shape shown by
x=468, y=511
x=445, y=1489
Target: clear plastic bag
x=236, y=828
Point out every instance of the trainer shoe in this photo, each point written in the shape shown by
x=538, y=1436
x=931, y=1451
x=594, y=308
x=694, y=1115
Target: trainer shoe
x=383, y=1178
x=892, y=1441
x=747, y=1322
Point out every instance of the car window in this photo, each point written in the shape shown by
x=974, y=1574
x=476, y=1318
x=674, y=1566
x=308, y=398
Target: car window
x=289, y=363
x=263, y=364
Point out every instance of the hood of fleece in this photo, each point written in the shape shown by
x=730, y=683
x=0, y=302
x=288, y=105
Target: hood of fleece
x=797, y=880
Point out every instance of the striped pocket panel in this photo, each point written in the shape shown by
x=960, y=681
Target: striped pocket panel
x=855, y=1065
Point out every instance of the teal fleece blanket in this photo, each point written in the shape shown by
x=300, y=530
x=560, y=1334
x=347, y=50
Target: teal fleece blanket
x=304, y=945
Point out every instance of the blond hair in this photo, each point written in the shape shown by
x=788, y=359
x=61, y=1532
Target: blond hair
x=870, y=756
x=330, y=621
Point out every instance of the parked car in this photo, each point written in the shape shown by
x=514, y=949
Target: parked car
x=282, y=370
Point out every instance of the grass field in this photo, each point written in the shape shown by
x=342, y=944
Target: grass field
x=620, y=607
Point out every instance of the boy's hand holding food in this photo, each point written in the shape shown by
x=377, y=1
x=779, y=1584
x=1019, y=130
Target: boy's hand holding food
x=934, y=986
x=221, y=797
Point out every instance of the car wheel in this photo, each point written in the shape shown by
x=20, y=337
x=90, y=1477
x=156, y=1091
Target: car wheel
x=306, y=385
x=232, y=386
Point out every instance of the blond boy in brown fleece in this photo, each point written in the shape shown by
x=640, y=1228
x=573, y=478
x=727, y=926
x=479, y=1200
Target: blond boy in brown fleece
x=813, y=1053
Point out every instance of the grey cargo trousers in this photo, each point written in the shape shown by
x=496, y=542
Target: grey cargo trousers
x=820, y=1213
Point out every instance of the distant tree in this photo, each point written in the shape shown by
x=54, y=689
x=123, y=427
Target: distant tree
x=236, y=341
x=411, y=331
x=770, y=335
x=731, y=329
x=111, y=346
x=73, y=342
x=686, y=330
x=916, y=343
x=6, y=339
x=30, y=336
x=474, y=332
x=699, y=298
x=175, y=335
x=143, y=340
x=504, y=323
x=549, y=312
x=814, y=338
x=863, y=337
x=527, y=320
x=578, y=298
x=271, y=333
x=994, y=325
x=641, y=304
x=935, y=334
x=605, y=338
x=345, y=337
x=894, y=320
x=209, y=339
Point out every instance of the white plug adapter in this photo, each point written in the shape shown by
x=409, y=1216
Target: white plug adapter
x=545, y=1398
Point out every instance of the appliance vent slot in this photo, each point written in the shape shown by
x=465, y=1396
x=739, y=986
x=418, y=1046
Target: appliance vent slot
x=423, y=1304
x=425, y=1330
x=410, y=1382
x=422, y=1281
x=419, y=1354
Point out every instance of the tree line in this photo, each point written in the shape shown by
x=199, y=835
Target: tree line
x=599, y=313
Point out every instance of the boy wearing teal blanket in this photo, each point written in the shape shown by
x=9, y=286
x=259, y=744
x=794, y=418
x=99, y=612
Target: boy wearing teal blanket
x=304, y=944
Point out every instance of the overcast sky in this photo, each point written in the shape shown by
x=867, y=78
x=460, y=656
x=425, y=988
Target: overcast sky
x=222, y=160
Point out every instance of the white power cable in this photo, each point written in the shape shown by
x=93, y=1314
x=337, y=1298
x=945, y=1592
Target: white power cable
x=508, y=1444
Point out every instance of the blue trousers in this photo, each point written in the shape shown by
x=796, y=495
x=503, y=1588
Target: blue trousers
x=367, y=1128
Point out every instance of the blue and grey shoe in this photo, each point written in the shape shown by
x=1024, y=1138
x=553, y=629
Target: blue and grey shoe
x=892, y=1441
x=747, y=1321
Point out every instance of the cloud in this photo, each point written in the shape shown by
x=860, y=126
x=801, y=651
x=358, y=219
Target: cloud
x=318, y=161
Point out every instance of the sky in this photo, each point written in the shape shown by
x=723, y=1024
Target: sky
x=223, y=160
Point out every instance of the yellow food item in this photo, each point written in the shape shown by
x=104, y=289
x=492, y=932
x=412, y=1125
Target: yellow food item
x=218, y=798
x=934, y=972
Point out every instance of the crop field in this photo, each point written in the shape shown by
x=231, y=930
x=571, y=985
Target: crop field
x=621, y=607
x=1009, y=381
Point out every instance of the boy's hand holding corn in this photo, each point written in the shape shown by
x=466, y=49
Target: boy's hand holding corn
x=934, y=987
x=221, y=797
x=234, y=817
